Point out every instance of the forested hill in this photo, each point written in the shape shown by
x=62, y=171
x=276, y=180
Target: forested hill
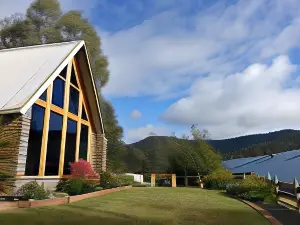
x=257, y=144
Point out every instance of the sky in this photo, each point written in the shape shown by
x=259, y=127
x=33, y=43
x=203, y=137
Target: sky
x=230, y=66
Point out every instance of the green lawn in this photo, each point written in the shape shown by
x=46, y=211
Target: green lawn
x=143, y=206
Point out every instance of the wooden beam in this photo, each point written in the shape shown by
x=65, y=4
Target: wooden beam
x=78, y=128
x=65, y=121
x=45, y=132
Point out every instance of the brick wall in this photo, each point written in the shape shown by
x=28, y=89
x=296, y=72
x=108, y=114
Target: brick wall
x=98, y=150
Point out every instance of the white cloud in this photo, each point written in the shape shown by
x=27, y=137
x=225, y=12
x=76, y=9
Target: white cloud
x=254, y=100
x=133, y=135
x=135, y=114
x=171, y=50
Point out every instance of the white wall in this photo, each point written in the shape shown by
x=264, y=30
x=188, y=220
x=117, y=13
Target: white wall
x=137, y=177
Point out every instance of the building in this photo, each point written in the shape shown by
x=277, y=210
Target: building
x=50, y=111
x=284, y=165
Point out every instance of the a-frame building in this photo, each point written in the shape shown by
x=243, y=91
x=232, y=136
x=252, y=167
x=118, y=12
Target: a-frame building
x=50, y=110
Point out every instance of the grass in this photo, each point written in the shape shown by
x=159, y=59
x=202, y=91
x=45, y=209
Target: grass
x=156, y=206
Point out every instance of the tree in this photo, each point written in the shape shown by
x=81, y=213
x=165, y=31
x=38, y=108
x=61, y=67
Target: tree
x=45, y=23
x=199, y=134
x=43, y=15
x=200, y=157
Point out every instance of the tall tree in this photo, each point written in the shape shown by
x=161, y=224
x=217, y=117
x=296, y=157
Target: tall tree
x=45, y=23
x=43, y=15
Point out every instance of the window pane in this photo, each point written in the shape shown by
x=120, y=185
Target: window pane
x=53, y=147
x=70, y=149
x=58, y=92
x=74, y=100
x=63, y=73
x=73, y=77
x=44, y=96
x=83, y=142
x=83, y=115
x=35, y=141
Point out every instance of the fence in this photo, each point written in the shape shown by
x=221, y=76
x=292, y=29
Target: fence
x=288, y=194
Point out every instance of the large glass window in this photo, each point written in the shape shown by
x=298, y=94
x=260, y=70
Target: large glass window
x=74, y=100
x=83, y=142
x=54, y=142
x=83, y=114
x=58, y=92
x=54, y=139
x=70, y=149
x=44, y=96
x=73, y=77
x=63, y=73
x=35, y=141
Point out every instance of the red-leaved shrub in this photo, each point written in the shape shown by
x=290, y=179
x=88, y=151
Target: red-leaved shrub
x=83, y=170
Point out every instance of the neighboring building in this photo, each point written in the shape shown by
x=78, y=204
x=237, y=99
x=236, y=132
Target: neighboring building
x=50, y=107
x=284, y=165
x=136, y=177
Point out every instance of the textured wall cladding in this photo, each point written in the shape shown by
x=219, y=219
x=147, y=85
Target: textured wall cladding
x=15, y=131
x=98, y=156
x=23, y=144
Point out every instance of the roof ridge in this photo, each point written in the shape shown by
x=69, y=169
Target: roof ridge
x=39, y=46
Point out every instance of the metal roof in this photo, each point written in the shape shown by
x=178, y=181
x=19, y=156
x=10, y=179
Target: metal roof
x=284, y=165
x=23, y=71
x=26, y=72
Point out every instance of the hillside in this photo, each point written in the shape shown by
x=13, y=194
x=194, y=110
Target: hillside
x=153, y=151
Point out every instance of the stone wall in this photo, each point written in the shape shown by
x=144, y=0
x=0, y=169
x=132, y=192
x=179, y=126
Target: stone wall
x=15, y=131
x=98, y=152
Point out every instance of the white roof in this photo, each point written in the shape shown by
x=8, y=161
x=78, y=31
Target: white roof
x=26, y=72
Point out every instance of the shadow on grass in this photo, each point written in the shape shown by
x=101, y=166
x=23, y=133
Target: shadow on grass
x=73, y=215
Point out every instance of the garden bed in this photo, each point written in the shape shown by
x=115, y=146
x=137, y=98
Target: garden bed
x=68, y=199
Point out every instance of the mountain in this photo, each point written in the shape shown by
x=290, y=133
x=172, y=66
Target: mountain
x=154, y=150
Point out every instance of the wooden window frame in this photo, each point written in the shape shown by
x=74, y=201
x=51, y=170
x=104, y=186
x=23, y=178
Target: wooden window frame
x=48, y=106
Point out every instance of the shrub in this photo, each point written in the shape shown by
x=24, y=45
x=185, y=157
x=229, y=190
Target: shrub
x=83, y=170
x=75, y=187
x=60, y=194
x=88, y=188
x=253, y=187
x=33, y=190
x=218, y=179
x=110, y=180
x=126, y=180
x=98, y=188
x=63, y=186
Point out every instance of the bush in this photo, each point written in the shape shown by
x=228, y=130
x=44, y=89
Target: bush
x=60, y=194
x=98, y=188
x=33, y=190
x=253, y=188
x=126, y=180
x=75, y=187
x=63, y=186
x=83, y=170
x=218, y=179
x=110, y=180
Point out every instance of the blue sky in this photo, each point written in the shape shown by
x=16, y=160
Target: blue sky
x=230, y=66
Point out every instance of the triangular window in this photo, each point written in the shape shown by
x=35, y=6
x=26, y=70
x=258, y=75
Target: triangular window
x=73, y=77
x=84, y=115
